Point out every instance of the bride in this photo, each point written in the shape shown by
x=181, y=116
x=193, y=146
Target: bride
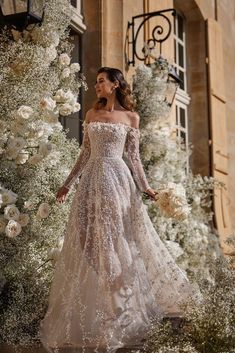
x=114, y=275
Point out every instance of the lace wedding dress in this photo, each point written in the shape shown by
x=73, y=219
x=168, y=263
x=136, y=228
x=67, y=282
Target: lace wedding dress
x=114, y=274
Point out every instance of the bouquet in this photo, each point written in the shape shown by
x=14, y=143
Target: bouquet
x=171, y=199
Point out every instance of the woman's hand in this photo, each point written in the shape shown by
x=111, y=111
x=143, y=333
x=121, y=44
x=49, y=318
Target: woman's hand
x=61, y=194
x=152, y=193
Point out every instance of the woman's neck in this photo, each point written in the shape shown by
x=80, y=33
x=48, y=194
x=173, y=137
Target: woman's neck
x=112, y=104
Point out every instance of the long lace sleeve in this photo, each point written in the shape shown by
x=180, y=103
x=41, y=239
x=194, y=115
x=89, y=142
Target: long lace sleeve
x=132, y=155
x=82, y=159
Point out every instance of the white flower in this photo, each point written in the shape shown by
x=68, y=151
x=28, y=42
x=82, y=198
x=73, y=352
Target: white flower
x=29, y=204
x=75, y=67
x=17, y=143
x=12, y=153
x=13, y=229
x=66, y=109
x=8, y=197
x=76, y=107
x=19, y=126
x=3, y=223
x=45, y=148
x=43, y=210
x=22, y=157
x=39, y=130
x=24, y=112
x=35, y=159
x=54, y=158
x=47, y=103
x=172, y=201
x=54, y=253
x=51, y=116
x=65, y=97
x=23, y=219
x=65, y=73
x=50, y=54
x=11, y=212
x=64, y=59
x=174, y=248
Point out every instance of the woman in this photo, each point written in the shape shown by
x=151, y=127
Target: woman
x=114, y=275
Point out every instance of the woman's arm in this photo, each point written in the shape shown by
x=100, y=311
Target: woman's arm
x=133, y=156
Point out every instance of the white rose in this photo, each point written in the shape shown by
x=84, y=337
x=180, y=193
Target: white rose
x=64, y=59
x=12, y=153
x=16, y=143
x=23, y=219
x=43, y=210
x=22, y=157
x=3, y=223
x=24, y=112
x=50, y=54
x=75, y=67
x=11, y=212
x=65, y=73
x=45, y=148
x=19, y=126
x=29, y=204
x=13, y=229
x=54, y=158
x=76, y=107
x=47, y=103
x=51, y=116
x=35, y=159
x=66, y=109
x=65, y=97
x=8, y=197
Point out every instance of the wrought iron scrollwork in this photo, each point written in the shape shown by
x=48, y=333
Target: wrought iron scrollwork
x=159, y=35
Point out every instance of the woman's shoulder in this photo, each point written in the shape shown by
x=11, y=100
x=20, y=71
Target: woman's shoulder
x=134, y=118
x=89, y=114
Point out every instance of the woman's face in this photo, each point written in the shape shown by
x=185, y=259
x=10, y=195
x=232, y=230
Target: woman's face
x=104, y=87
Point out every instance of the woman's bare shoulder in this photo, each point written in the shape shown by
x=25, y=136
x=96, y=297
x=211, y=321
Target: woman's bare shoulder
x=134, y=119
x=90, y=114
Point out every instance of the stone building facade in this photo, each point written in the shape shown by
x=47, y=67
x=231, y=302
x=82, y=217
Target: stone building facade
x=202, y=48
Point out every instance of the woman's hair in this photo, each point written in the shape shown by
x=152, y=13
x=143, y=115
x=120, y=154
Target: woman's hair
x=123, y=91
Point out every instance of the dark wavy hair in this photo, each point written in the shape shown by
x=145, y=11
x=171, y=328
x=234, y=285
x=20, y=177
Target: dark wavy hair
x=123, y=91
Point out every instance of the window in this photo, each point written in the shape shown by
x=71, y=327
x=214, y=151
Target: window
x=182, y=98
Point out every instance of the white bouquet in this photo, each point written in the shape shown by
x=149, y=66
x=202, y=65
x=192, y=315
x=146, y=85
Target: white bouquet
x=171, y=199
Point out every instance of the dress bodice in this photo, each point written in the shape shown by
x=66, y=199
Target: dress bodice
x=103, y=140
x=107, y=139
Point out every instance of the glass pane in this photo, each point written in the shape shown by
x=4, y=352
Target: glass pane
x=183, y=136
x=182, y=117
x=180, y=27
x=181, y=75
x=36, y=7
x=11, y=7
x=73, y=3
x=176, y=109
x=181, y=55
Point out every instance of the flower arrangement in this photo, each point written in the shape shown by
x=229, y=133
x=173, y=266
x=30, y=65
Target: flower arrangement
x=182, y=212
x=40, y=85
x=171, y=199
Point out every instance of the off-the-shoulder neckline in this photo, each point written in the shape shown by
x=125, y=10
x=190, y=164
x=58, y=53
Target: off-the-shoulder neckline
x=111, y=123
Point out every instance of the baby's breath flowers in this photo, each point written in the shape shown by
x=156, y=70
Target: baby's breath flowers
x=39, y=84
x=182, y=211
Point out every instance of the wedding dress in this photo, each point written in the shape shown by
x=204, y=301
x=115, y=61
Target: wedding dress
x=114, y=274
